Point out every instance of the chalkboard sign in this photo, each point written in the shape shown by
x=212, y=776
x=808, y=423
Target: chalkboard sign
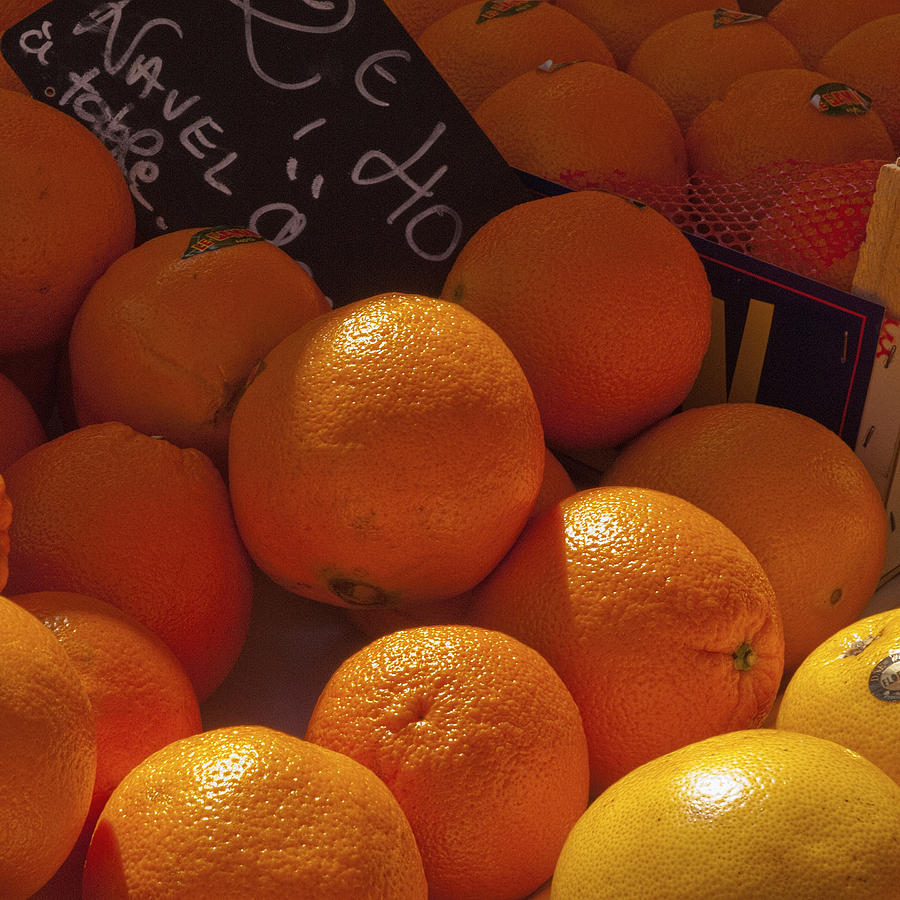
x=318, y=124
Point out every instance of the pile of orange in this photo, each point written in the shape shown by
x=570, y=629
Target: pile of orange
x=480, y=46
x=813, y=26
x=774, y=115
x=584, y=124
x=867, y=58
x=690, y=61
x=514, y=657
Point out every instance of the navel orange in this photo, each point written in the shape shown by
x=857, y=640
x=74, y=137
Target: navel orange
x=623, y=24
x=869, y=58
x=141, y=698
x=777, y=115
x=133, y=520
x=48, y=753
x=388, y=451
x=64, y=217
x=480, y=46
x=657, y=617
x=480, y=742
x=791, y=489
x=751, y=813
x=584, y=124
x=690, y=61
x=813, y=26
x=252, y=812
x=140, y=694
x=142, y=351
x=577, y=285
x=846, y=690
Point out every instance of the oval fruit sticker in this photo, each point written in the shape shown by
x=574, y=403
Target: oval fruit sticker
x=884, y=679
x=837, y=99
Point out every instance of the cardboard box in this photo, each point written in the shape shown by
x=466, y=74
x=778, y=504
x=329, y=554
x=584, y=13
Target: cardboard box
x=878, y=441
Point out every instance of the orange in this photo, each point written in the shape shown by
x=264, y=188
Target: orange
x=417, y=15
x=813, y=26
x=64, y=217
x=5, y=520
x=791, y=489
x=252, y=812
x=584, y=124
x=768, y=117
x=869, y=58
x=846, y=690
x=133, y=520
x=657, y=617
x=48, y=753
x=480, y=46
x=754, y=813
x=20, y=427
x=142, y=351
x=581, y=286
x=690, y=61
x=623, y=24
x=387, y=451
x=816, y=226
x=140, y=695
x=480, y=742
x=374, y=622
x=11, y=13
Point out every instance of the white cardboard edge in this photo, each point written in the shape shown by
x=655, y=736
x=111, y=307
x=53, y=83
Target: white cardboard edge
x=878, y=443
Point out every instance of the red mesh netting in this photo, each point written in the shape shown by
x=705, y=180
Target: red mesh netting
x=806, y=217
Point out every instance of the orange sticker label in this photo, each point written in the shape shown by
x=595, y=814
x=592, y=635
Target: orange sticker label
x=494, y=9
x=218, y=238
x=548, y=65
x=838, y=99
x=723, y=16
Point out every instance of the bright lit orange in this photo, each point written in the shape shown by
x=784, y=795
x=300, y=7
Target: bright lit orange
x=253, y=812
x=387, y=452
x=773, y=805
x=480, y=742
x=657, y=617
x=791, y=489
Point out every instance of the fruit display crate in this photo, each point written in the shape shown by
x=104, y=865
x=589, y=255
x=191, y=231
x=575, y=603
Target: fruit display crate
x=786, y=340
